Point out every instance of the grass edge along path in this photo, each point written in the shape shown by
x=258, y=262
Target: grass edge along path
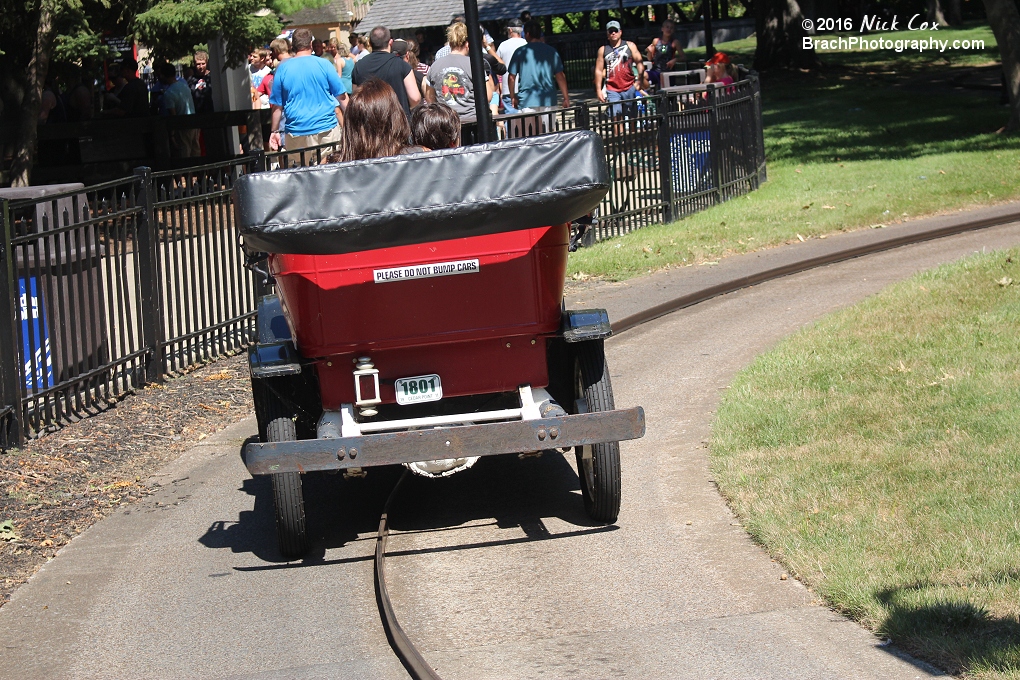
x=866, y=142
x=876, y=454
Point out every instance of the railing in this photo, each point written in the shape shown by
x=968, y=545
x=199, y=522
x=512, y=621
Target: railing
x=710, y=136
x=106, y=288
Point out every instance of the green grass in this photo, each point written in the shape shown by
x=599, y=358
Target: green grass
x=868, y=140
x=877, y=455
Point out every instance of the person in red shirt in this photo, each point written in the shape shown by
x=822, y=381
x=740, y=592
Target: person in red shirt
x=615, y=65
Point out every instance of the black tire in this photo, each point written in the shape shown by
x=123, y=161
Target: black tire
x=288, y=498
x=598, y=465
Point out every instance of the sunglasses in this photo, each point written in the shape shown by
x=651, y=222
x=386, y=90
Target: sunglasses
x=612, y=30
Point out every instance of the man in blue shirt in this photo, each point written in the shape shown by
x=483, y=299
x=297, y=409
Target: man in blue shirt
x=311, y=94
x=536, y=70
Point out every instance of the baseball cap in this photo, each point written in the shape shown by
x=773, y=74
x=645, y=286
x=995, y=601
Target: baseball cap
x=515, y=23
x=613, y=24
x=399, y=47
x=718, y=58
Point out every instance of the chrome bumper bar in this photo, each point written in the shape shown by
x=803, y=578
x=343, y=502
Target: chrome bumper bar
x=487, y=439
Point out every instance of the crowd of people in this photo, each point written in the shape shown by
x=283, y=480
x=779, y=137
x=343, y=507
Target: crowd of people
x=310, y=85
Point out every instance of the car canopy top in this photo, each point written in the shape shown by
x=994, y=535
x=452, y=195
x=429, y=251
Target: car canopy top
x=422, y=197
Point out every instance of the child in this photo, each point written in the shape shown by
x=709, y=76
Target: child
x=435, y=126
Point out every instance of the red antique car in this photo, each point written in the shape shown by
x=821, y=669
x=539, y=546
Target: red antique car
x=418, y=318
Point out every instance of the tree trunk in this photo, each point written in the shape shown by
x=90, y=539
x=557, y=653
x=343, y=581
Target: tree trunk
x=952, y=12
x=1004, y=19
x=38, y=69
x=934, y=13
x=778, y=26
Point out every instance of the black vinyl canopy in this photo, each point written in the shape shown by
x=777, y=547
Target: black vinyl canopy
x=418, y=198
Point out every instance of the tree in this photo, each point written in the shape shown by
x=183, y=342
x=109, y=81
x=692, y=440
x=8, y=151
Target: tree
x=38, y=33
x=67, y=33
x=780, y=31
x=172, y=28
x=1005, y=22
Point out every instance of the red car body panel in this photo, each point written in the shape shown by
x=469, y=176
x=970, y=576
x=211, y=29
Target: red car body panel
x=481, y=332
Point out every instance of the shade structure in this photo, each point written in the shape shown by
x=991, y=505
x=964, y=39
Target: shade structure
x=402, y=14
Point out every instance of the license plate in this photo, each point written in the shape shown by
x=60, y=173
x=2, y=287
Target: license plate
x=418, y=389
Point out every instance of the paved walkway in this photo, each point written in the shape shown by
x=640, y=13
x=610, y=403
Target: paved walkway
x=495, y=573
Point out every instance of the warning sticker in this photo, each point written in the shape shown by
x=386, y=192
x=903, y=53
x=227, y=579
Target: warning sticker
x=425, y=271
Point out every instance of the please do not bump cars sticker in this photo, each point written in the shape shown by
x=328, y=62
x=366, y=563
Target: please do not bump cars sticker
x=425, y=271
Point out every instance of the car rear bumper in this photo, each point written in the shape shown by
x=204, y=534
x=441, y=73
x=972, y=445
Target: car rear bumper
x=488, y=439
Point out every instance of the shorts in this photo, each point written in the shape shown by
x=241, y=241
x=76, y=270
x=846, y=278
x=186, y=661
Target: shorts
x=624, y=108
x=508, y=104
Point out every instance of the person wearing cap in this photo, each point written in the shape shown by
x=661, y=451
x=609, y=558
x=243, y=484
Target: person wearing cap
x=614, y=68
x=408, y=51
x=535, y=72
x=717, y=69
x=506, y=52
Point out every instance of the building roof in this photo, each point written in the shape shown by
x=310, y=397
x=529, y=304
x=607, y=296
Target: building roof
x=398, y=14
x=333, y=13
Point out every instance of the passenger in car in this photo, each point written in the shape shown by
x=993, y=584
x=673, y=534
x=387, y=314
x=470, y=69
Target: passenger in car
x=435, y=126
x=375, y=125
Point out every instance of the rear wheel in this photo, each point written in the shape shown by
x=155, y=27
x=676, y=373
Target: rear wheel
x=276, y=424
x=288, y=498
x=598, y=465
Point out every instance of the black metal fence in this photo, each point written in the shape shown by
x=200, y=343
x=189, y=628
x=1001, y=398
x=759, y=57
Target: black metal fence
x=109, y=287
x=669, y=155
x=106, y=288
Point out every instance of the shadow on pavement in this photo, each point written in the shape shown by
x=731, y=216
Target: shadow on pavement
x=505, y=489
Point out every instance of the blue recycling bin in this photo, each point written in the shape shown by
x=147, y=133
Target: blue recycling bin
x=692, y=162
x=60, y=286
x=35, y=336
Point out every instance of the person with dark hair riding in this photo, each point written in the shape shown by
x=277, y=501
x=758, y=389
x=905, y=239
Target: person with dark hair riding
x=435, y=126
x=374, y=125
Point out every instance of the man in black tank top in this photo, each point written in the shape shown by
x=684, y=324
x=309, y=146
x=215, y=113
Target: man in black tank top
x=664, y=53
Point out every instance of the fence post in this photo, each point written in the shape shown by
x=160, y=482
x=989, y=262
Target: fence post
x=582, y=118
x=714, y=146
x=257, y=161
x=150, y=290
x=12, y=387
x=760, y=175
x=666, y=157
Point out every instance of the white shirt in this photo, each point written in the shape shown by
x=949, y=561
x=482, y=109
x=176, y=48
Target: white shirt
x=505, y=51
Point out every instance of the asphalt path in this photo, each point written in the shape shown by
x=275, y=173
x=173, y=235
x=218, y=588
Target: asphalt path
x=494, y=573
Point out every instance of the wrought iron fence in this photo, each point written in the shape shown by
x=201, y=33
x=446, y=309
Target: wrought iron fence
x=669, y=155
x=109, y=287
x=106, y=288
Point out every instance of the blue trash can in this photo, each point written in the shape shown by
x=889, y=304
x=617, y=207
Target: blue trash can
x=35, y=336
x=692, y=162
